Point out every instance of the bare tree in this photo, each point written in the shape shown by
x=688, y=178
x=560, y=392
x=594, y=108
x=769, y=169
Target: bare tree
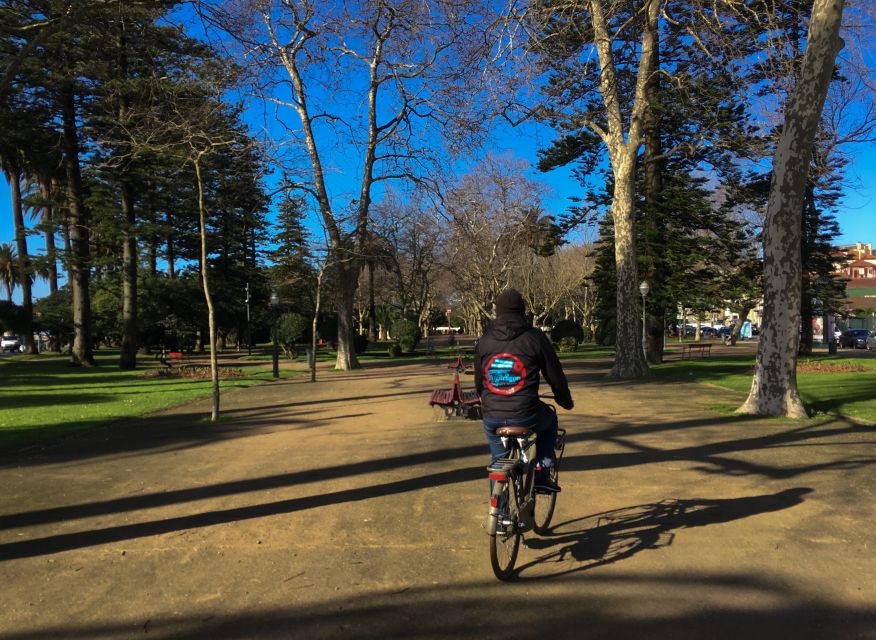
x=368, y=80
x=411, y=236
x=492, y=216
x=553, y=285
x=774, y=387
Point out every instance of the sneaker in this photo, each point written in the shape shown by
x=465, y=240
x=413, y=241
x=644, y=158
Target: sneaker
x=545, y=484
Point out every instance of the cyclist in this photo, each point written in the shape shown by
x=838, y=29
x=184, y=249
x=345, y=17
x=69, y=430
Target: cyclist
x=507, y=362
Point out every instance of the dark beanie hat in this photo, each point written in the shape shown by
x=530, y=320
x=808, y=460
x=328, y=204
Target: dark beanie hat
x=509, y=301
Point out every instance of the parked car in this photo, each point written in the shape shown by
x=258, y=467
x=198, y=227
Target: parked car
x=854, y=338
x=871, y=341
x=10, y=343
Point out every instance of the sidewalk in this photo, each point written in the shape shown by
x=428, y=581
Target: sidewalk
x=345, y=510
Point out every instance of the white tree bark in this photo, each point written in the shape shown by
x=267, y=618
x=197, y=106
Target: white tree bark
x=623, y=146
x=774, y=387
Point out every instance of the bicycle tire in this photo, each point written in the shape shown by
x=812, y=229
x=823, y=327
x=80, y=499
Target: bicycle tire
x=505, y=543
x=543, y=509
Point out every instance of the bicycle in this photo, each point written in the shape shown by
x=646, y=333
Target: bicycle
x=515, y=506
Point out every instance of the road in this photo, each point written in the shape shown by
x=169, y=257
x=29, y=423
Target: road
x=345, y=510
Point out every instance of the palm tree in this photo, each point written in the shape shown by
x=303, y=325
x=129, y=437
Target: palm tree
x=43, y=203
x=8, y=268
x=11, y=162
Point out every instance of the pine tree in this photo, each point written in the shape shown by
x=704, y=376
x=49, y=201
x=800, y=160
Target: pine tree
x=691, y=118
x=292, y=273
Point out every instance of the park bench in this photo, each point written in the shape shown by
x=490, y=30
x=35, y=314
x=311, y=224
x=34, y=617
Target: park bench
x=456, y=402
x=172, y=358
x=702, y=350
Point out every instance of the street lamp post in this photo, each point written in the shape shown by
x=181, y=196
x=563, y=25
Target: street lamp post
x=275, y=301
x=644, y=288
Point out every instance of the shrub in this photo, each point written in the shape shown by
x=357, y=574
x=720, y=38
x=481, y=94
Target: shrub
x=406, y=333
x=192, y=371
x=568, y=344
x=567, y=328
x=290, y=331
x=393, y=350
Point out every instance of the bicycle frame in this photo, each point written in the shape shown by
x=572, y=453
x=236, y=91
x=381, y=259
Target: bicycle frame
x=516, y=507
x=518, y=469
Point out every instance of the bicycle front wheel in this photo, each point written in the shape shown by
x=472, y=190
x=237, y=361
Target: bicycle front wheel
x=544, y=507
x=505, y=544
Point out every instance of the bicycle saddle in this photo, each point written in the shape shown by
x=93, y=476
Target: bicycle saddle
x=513, y=432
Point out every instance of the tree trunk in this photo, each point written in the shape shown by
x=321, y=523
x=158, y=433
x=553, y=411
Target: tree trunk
x=345, y=296
x=774, y=386
x=128, y=348
x=49, y=234
x=372, y=310
x=652, y=231
x=315, y=320
x=629, y=358
x=623, y=147
x=80, y=259
x=205, y=283
x=809, y=231
x=737, y=328
x=806, y=334
x=171, y=251
x=128, y=352
x=24, y=266
x=152, y=257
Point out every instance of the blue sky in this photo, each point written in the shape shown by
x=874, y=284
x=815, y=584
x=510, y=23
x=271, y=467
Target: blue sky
x=855, y=217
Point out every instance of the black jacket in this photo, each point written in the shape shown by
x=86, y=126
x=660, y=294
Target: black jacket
x=507, y=362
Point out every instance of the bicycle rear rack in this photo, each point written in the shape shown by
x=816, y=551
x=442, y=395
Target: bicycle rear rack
x=502, y=465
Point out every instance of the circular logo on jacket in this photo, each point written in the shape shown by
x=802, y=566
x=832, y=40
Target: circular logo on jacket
x=504, y=374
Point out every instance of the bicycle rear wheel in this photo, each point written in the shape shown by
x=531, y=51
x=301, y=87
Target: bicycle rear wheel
x=544, y=507
x=505, y=544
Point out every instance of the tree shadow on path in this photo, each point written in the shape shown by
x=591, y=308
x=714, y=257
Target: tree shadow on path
x=622, y=533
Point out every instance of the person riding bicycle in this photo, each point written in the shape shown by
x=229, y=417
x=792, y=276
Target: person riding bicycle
x=507, y=362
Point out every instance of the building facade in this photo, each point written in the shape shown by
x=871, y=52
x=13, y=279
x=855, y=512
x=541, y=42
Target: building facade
x=859, y=271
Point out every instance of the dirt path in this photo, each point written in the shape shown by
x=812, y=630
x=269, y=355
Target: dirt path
x=344, y=510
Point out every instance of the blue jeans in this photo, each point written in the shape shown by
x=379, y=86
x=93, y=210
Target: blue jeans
x=543, y=422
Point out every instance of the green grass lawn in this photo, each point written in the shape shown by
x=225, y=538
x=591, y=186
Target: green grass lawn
x=42, y=398
x=833, y=388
